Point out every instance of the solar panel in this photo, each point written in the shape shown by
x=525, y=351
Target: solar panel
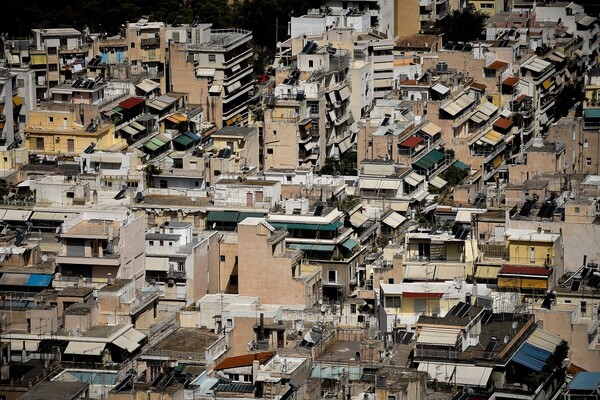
x=319, y=210
x=463, y=310
x=407, y=338
x=575, y=285
x=584, y=272
x=526, y=209
x=487, y=316
x=456, y=308
x=491, y=345
x=306, y=47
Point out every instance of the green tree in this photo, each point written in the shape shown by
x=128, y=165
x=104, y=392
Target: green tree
x=454, y=175
x=463, y=25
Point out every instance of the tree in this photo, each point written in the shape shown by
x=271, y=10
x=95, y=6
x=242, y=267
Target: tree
x=454, y=175
x=345, y=166
x=463, y=25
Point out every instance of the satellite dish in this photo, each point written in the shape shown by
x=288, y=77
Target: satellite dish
x=514, y=324
x=44, y=257
x=506, y=339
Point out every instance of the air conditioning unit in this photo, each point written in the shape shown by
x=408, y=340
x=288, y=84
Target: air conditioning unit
x=171, y=282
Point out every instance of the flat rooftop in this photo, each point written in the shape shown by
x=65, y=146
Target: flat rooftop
x=194, y=340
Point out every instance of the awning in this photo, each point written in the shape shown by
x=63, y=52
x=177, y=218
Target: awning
x=357, y=219
x=390, y=184
x=151, y=146
x=411, y=142
x=17, y=101
x=51, y=216
x=349, y=244
x=39, y=280
x=223, y=216
x=413, y=179
x=531, y=357
x=147, y=85
x=183, y=140
x=29, y=345
x=463, y=216
x=441, y=89
x=157, y=264
x=137, y=126
x=419, y=272
x=134, y=335
x=438, y=336
x=312, y=247
x=394, y=220
x=130, y=103
x=17, y=215
x=460, y=165
x=126, y=343
x=369, y=184
x=38, y=59
x=215, y=89
x=128, y=129
x=438, y=182
x=430, y=160
x=472, y=375
x=487, y=272
x=10, y=279
x=430, y=129
x=177, y=118
x=546, y=84
x=205, y=72
x=448, y=273
x=592, y=113
x=492, y=137
x=344, y=93
x=437, y=372
x=85, y=348
x=192, y=135
x=400, y=206
x=310, y=227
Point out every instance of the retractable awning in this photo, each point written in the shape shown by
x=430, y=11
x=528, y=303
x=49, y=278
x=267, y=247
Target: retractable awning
x=85, y=348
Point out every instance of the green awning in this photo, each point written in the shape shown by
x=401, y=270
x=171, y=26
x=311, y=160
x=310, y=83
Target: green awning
x=151, y=146
x=592, y=113
x=157, y=142
x=460, y=165
x=312, y=247
x=349, y=244
x=309, y=227
x=430, y=159
x=244, y=215
x=117, y=109
x=192, y=136
x=183, y=140
x=223, y=216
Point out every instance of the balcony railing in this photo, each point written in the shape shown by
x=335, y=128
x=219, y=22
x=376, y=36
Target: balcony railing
x=150, y=42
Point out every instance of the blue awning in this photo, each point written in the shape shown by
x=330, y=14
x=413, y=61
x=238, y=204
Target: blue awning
x=531, y=357
x=592, y=113
x=192, y=135
x=39, y=280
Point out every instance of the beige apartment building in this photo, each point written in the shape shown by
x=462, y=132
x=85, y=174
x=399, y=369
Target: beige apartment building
x=270, y=271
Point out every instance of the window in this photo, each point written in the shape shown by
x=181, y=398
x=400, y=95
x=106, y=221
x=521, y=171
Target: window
x=269, y=151
x=196, y=183
x=352, y=308
x=391, y=281
x=151, y=243
x=20, y=82
x=63, y=41
x=332, y=276
x=181, y=266
x=393, y=301
x=222, y=258
x=70, y=145
x=53, y=84
x=51, y=50
x=163, y=184
x=532, y=254
x=39, y=143
x=310, y=63
x=588, y=161
x=274, y=133
x=193, y=165
x=212, y=58
x=51, y=119
x=576, y=210
x=170, y=243
x=52, y=67
x=162, y=243
x=583, y=308
x=132, y=45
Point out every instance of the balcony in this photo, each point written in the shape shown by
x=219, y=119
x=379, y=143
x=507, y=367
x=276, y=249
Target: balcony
x=93, y=258
x=150, y=42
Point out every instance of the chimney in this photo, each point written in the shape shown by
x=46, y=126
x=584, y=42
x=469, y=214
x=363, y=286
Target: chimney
x=255, y=368
x=109, y=278
x=95, y=197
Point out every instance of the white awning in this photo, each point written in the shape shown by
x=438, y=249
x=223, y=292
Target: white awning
x=344, y=93
x=400, y=206
x=206, y=72
x=345, y=144
x=358, y=219
x=441, y=89
x=369, y=184
x=463, y=216
x=215, y=89
x=126, y=343
x=51, y=216
x=134, y=335
x=147, y=85
x=17, y=215
x=437, y=372
x=390, y=184
x=29, y=345
x=419, y=272
x=157, y=264
x=85, y=348
x=472, y=375
x=438, y=182
x=413, y=179
x=394, y=220
x=448, y=273
x=438, y=336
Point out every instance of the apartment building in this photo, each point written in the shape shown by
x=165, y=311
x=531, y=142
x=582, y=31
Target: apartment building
x=270, y=270
x=10, y=109
x=215, y=72
x=68, y=130
x=178, y=263
x=101, y=245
